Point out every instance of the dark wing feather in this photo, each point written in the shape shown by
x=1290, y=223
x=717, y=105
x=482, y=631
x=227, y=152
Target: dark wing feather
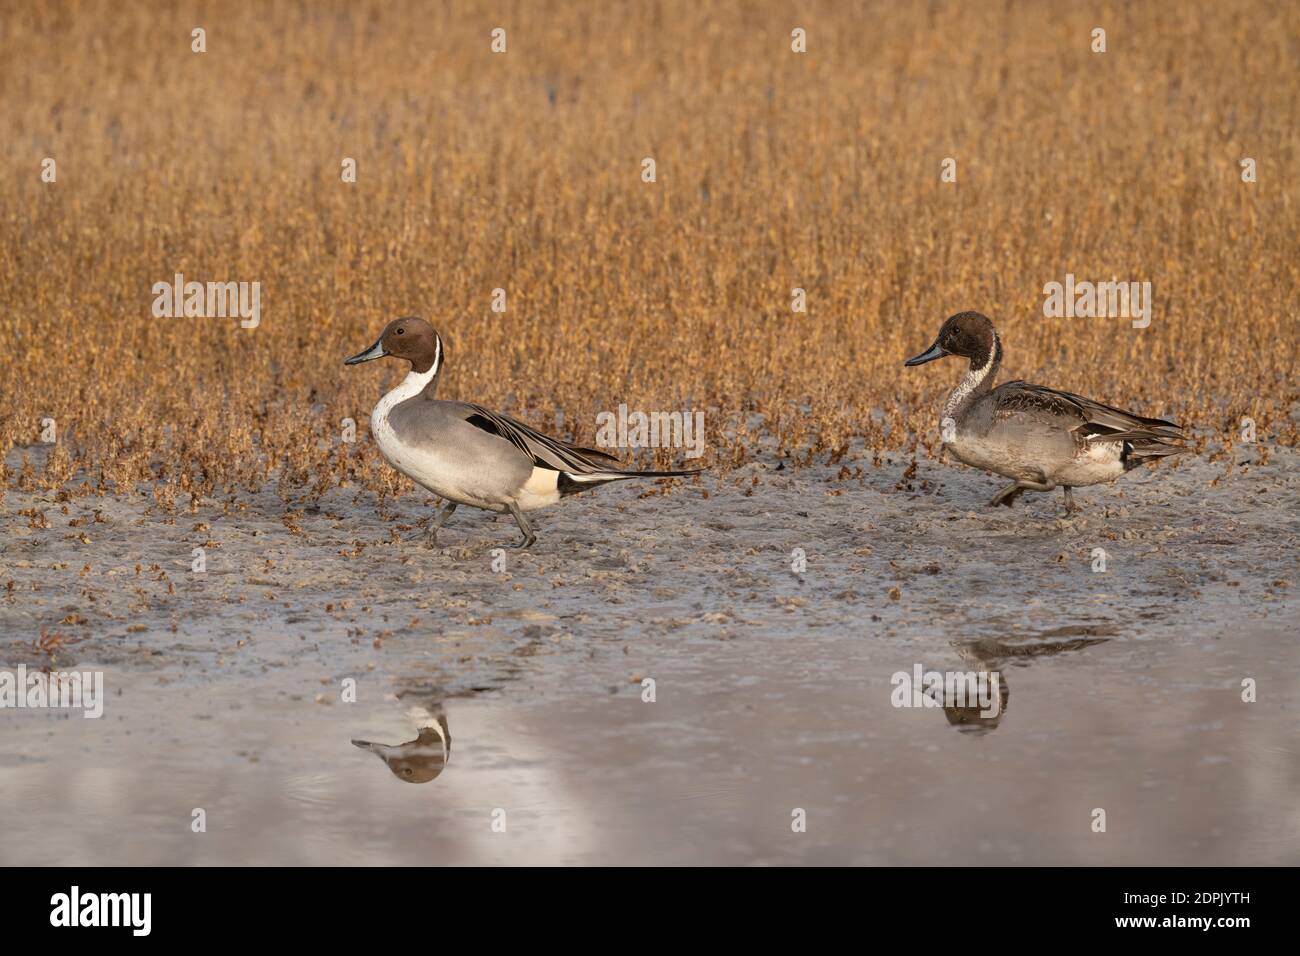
x=545, y=452
x=1012, y=397
x=1095, y=418
x=594, y=453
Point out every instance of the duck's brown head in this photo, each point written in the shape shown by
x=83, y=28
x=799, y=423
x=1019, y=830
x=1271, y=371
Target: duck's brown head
x=408, y=338
x=968, y=334
x=416, y=761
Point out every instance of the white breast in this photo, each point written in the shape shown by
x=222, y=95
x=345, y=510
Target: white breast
x=956, y=402
x=380, y=428
x=417, y=463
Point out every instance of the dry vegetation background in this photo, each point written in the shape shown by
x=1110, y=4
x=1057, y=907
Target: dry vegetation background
x=522, y=170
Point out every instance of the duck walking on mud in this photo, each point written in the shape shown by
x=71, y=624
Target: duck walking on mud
x=468, y=455
x=1037, y=436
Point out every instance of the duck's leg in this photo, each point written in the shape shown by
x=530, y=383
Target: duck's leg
x=431, y=536
x=1069, y=499
x=529, y=537
x=1008, y=495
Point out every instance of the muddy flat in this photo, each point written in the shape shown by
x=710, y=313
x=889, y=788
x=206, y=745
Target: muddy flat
x=507, y=695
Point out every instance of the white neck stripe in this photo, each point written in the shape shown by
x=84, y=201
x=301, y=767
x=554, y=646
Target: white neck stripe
x=971, y=381
x=411, y=386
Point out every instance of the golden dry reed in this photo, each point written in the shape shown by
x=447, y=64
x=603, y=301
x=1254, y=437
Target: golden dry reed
x=523, y=170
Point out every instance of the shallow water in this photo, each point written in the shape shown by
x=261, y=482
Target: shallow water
x=773, y=694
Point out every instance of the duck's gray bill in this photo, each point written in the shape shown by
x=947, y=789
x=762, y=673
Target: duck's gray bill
x=375, y=351
x=929, y=355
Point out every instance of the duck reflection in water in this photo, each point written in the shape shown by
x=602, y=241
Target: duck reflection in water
x=421, y=759
x=996, y=655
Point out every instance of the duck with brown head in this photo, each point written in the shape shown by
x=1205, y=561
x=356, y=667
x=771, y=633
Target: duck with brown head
x=1037, y=436
x=422, y=759
x=466, y=454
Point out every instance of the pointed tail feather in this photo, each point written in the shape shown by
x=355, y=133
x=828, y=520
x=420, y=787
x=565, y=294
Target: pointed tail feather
x=1142, y=450
x=570, y=483
x=597, y=477
x=1137, y=435
x=1155, y=450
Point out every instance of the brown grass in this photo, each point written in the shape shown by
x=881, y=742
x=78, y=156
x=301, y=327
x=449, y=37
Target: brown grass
x=522, y=170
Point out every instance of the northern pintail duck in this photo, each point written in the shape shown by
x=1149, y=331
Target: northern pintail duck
x=1037, y=436
x=468, y=455
x=422, y=759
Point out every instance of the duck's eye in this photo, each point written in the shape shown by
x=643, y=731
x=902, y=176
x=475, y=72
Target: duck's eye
x=401, y=331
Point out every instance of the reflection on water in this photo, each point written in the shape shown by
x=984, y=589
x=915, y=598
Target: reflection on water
x=973, y=718
x=992, y=655
x=708, y=773
x=422, y=759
